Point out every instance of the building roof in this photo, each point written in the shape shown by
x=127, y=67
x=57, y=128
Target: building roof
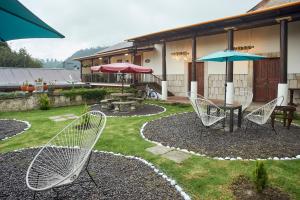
x=10, y=76
x=257, y=18
x=119, y=46
x=117, y=49
x=270, y=3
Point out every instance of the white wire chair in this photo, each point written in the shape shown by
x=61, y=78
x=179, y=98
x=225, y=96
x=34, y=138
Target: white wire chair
x=62, y=159
x=261, y=115
x=245, y=100
x=192, y=100
x=208, y=112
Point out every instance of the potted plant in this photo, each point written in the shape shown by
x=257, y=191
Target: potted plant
x=51, y=87
x=30, y=88
x=24, y=86
x=45, y=87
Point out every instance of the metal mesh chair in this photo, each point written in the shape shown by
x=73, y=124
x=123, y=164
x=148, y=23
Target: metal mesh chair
x=62, y=159
x=261, y=115
x=208, y=112
x=192, y=100
x=245, y=100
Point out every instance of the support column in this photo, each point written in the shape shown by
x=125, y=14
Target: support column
x=283, y=84
x=164, y=83
x=229, y=79
x=194, y=84
x=81, y=70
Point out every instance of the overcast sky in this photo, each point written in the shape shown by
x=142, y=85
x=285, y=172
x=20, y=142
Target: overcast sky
x=91, y=23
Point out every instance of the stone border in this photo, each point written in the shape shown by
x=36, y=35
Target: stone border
x=203, y=155
x=26, y=122
x=172, y=182
x=147, y=115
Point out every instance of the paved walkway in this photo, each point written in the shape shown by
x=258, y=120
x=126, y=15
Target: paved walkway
x=168, y=153
x=185, y=100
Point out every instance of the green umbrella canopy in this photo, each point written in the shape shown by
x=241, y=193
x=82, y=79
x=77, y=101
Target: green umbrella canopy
x=17, y=22
x=223, y=56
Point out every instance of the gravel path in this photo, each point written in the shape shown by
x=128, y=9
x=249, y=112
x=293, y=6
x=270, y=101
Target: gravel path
x=118, y=178
x=9, y=128
x=184, y=132
x=147, y=109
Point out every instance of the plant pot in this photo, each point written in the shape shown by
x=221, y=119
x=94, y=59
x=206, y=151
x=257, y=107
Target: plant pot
x=45, y=87
x=30, y=89
x=24, y=88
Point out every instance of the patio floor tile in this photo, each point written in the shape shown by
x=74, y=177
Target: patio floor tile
x=158, y=150
x=176, y=156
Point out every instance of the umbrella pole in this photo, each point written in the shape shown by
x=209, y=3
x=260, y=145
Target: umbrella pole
x=122, y=83
x=225, y=85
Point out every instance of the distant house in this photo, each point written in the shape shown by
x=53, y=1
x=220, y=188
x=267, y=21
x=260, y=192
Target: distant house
x=11, y=77
x=271, y=29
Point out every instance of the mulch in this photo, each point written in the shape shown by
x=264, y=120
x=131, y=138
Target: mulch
x=244, y=189
x=9, y=128
x=186, y=132
x=117, y=177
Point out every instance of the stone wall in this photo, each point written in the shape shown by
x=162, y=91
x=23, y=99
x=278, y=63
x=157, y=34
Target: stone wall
x=294, y=82
x=216, y=85
x=31, y=102
x=176, y=84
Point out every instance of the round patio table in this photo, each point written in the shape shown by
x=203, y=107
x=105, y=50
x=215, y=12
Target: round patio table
x=231, y=107
x=121, y=96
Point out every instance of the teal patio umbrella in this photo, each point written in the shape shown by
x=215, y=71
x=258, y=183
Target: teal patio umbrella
x=17, y=22
x=229, y=56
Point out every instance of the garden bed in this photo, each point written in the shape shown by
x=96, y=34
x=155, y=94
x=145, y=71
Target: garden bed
x=244, y=189
x=10, y=128
x=118, y=177
x=184, y=131
x=146, y=109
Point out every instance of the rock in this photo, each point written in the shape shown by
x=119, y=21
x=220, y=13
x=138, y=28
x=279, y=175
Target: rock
x=119, y=177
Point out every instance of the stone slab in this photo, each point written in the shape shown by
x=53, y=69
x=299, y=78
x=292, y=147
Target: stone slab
x=72, y=117
x=69, y=115
x=54, y=117
x=176, y=156
x=60, y=119
x=158, y=150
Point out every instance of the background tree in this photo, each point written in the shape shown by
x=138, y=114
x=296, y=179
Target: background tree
x=22, y=58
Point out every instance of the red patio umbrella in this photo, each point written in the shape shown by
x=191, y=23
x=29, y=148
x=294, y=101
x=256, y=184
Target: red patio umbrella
x=123, y=68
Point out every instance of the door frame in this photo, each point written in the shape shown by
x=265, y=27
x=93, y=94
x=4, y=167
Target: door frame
x=189, y=78
x=253, y=78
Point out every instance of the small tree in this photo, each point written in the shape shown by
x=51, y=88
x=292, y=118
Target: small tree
x=260, y=177
x=86, y=118
x=44, y=102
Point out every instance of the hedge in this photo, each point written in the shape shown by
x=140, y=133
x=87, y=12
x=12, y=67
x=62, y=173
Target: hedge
x=88, y=94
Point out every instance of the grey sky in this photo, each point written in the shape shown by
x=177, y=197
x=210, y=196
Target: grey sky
x=90, y=23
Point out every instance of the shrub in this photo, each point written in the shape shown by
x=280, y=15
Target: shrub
x=86, y=118
x=12, y=95
x=88, y=94
x=260, y=177
x=44, y=102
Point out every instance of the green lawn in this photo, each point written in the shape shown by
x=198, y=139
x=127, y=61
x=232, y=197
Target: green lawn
x=202, y=178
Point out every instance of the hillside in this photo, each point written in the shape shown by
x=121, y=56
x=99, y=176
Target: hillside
x=69, y=63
